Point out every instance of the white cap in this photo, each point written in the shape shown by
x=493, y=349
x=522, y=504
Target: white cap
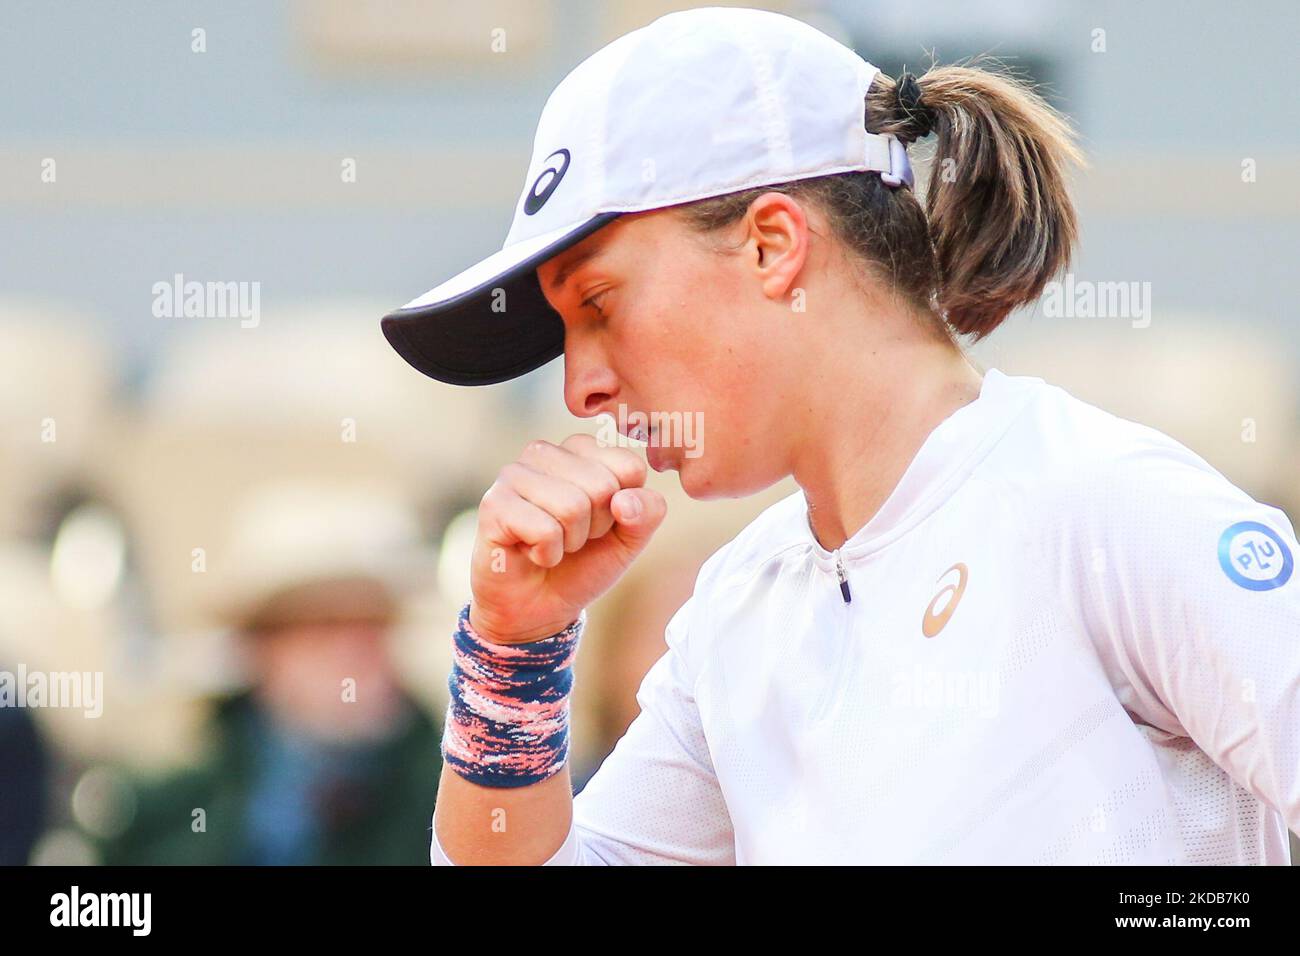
x=697, y=104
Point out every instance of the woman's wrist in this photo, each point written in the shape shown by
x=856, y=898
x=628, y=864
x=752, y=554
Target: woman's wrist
x=508, y=717
x=484, y=630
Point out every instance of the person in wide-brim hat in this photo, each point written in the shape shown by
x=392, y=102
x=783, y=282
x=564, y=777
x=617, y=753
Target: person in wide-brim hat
x=325, y=758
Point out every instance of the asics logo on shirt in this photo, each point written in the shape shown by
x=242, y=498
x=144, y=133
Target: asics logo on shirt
x=937, y=613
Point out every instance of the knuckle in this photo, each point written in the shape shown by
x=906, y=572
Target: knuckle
x=491, y=496
x=511, y=474
x=574, y=508
x=630, y=465
x=604, y=487
x=535, y=448
x=552, y=539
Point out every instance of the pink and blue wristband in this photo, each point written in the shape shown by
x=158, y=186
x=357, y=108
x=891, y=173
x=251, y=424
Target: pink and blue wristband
x=508, y=720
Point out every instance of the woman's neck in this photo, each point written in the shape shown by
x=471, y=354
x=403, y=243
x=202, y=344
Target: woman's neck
x=856, y=450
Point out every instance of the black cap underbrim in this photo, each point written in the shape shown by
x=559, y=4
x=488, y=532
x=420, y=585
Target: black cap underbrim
x=474, y=336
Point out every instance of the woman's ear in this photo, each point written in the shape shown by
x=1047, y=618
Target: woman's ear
x=779, y=236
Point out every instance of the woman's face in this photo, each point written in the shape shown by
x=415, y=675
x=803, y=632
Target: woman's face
x=663, y=330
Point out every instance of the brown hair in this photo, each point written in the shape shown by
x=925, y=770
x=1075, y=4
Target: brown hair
x=998, y=221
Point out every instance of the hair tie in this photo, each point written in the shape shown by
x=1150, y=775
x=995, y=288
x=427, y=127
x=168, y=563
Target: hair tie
x=919, y=117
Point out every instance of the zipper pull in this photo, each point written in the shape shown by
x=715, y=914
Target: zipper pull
x=844, y=578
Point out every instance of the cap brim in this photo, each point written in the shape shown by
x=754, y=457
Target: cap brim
x=464, y=333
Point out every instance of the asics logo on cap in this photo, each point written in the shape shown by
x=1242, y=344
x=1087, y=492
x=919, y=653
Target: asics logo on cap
x=536, y=200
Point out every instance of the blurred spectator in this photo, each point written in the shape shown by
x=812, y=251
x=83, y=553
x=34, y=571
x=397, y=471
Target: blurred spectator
x=325, y=759
x=24, y=795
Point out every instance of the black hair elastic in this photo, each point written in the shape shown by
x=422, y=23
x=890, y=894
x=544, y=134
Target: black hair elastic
x=919, y=117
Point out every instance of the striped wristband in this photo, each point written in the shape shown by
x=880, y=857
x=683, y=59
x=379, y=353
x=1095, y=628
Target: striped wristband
x=508, y=720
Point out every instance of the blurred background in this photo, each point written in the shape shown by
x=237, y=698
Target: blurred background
x=255, y=526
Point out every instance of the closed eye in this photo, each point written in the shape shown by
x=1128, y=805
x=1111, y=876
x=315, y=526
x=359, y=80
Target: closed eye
x=594, y=301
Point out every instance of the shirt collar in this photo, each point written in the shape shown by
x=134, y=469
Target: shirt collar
x=947, y=457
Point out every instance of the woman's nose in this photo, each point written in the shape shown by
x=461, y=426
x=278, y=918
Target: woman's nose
x=590, y=386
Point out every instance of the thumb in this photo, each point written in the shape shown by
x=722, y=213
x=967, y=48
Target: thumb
x=638, y=512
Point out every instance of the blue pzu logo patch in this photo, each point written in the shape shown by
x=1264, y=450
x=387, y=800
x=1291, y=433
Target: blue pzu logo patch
x=1254, y=556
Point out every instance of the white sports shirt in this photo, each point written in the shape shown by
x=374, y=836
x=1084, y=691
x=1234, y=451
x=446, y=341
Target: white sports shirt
x=1069, y=640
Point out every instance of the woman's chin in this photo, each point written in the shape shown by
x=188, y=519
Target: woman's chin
x=703, y=481
x=695, y=481
x=700, y=482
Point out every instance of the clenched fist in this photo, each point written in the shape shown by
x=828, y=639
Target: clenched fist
x=556, y=529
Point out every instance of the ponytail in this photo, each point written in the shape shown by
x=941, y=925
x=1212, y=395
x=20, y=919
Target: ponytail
x=1000, y=216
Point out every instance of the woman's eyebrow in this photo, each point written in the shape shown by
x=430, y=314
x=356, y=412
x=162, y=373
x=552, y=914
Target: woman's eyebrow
x=572, y=265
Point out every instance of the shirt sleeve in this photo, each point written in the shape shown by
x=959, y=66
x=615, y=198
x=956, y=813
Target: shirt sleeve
x=1190, y=597
x=655, y=799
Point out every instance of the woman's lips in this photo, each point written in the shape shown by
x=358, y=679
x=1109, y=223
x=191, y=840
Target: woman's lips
x=658, y=458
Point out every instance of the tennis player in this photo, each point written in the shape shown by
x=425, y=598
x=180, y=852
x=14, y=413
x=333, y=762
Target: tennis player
x=996, y=624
